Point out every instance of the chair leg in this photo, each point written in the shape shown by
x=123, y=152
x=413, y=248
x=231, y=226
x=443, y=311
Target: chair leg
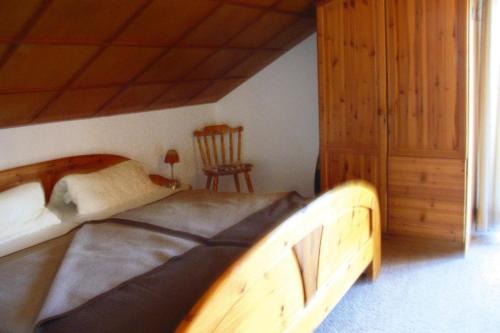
x=209, y=182
x=249, y=182
x=237, y=182
x=216, y=183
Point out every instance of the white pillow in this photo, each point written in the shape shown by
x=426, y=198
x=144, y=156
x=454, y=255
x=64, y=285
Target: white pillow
x=21, y=204
x=23, y=212
x=40, y=222
x=101, y=194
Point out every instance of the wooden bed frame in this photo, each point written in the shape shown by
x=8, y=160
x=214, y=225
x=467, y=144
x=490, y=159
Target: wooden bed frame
x=289, y=280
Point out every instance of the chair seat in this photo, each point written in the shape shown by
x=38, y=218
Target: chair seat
x=228, y=169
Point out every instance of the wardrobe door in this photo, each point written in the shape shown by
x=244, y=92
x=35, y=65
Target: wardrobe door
x=427, y=89
x=352, y=88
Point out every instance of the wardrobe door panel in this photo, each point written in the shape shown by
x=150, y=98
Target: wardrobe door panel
x=352, y=77
x=427, y=85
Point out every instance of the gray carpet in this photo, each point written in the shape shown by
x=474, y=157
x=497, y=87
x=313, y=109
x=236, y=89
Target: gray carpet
x=425, y=290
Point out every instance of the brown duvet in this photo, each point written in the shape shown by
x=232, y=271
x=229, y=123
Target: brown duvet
x=138, y=272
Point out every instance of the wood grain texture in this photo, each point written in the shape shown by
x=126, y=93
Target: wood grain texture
x=427, y=197
x=265, y=290
x=416, y=158
x=54, y=46
x=427, y=77
x=427, y=80
x=307, y=252
x=352, y=81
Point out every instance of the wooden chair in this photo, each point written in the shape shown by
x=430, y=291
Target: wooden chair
x=217, y=161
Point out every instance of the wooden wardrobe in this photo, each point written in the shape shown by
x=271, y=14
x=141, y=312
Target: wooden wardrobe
x=393, y=96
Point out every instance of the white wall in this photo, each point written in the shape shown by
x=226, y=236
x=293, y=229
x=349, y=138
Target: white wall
x=141, y=136
x=279, y=109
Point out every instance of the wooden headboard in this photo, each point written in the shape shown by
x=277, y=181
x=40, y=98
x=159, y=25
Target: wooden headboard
x=49, y=172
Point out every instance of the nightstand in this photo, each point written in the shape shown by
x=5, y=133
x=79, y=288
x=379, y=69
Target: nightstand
x=167, y=182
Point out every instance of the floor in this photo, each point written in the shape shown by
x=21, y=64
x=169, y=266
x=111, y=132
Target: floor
x=426, y=290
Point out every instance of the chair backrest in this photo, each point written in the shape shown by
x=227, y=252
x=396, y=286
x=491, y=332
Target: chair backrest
x=212, y=144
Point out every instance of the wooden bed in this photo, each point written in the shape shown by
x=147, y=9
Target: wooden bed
x=290, y=279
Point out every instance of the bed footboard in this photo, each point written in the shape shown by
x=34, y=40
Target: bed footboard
x=292, y=278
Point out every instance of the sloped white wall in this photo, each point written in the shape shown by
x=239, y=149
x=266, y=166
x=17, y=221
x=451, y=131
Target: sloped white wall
x=278, y=108
x=141, y=136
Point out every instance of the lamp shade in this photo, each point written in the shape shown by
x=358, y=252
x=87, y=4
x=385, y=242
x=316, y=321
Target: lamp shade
x=171, y=157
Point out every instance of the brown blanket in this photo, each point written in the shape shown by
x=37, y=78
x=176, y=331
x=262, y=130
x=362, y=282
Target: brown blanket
x=166, y=272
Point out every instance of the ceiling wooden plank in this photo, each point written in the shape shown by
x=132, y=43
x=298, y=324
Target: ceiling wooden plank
x=253, y=64
x=3, y=48
x=135, y=98
x=180, y=93
x=89, y=20
x=100, y=50
x=14, y=14
x=116, y=65
x=222, y=26
x=218, y=63
x=76, y=104
x=259, y=3
x=26, y=27
x=42, y=66
x=216, y=91
x=288, y=7
x=165, y=22
x=296, y=32
x=175, y=64
x=18, y=109
x=262, y=30
x=297, y=6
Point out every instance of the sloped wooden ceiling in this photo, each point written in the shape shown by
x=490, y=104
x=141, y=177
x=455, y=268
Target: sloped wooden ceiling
x=68, y=59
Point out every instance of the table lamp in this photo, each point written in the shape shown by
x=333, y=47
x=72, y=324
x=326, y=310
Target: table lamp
x=171, y=157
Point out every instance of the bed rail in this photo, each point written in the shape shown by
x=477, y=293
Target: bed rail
x=292, y=278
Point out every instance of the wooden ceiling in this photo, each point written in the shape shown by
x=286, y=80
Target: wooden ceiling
x=69, y=59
